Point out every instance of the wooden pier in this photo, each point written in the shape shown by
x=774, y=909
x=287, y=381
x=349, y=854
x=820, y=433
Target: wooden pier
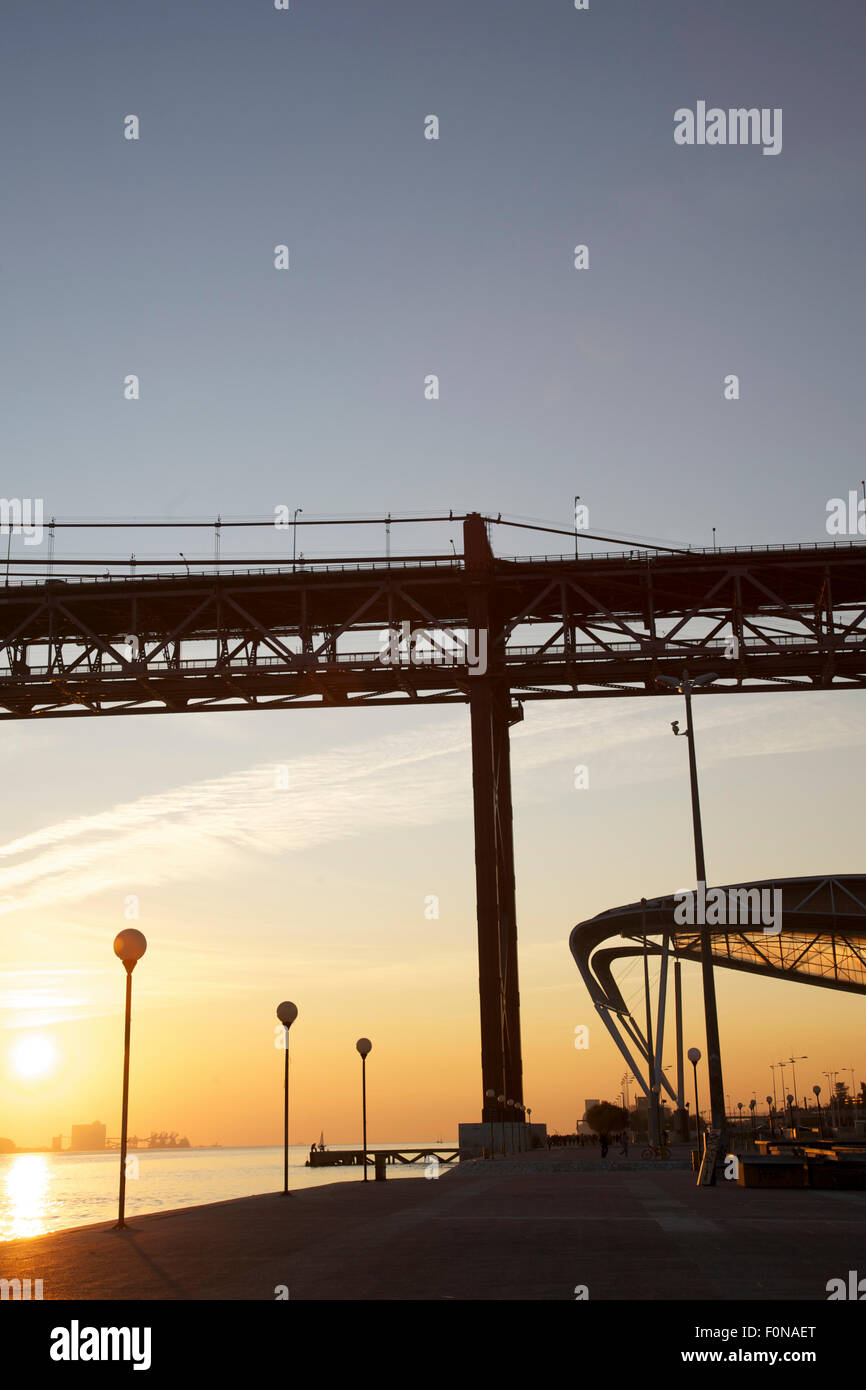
x=337, y=1158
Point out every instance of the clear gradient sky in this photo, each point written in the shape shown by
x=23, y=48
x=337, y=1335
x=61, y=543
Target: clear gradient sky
x=305, y=387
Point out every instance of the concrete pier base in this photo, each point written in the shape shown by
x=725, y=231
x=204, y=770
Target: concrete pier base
x=476, y=1139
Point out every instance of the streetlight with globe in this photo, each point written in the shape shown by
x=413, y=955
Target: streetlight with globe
x=129, y=947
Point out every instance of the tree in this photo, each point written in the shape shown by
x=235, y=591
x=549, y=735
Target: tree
x=605, y=1117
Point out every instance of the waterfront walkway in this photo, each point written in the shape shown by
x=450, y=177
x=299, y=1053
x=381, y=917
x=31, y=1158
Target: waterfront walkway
x=525, y=1228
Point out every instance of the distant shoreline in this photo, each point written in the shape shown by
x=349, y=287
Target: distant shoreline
x=227, y=1148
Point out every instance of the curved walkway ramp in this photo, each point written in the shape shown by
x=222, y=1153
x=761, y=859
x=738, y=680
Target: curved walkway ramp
x=811, y=930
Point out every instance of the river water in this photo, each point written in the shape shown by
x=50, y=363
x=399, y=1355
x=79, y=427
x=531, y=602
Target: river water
x=43, y=1192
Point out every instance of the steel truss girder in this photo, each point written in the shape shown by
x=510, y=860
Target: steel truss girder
x=609, y=627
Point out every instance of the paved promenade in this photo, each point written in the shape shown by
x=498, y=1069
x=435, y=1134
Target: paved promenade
x=525, y=1228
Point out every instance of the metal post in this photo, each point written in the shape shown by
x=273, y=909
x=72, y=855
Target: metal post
x=660, y=1013
x=486, y=1109
x=652, y=1116
x=287, y=1012
x=121, y=1224
x=490, y=718
x=714, y=1049
x=286, y=1120
x=682, y=1119
x=364, y=1109
x=697, y=1111
x=129, y=947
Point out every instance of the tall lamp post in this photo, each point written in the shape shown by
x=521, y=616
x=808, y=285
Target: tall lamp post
x=793, y=1061
x=365, y=1047
x=711, y=1014
x=298, y=510
x=521, y=1123
x=816, y=1090
x=129, y=946
x=694, y=1056
x=831, y=1082
x=286, y=1013
x=501, y=1100
x=491, y=1096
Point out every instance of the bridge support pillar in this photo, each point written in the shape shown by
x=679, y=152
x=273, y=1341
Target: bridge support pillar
x=491, y=715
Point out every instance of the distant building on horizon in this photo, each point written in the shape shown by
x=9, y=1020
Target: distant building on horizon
x=56, y=1143
x=85, y=1137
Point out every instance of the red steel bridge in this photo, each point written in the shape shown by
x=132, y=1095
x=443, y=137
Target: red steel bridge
x=587, y=626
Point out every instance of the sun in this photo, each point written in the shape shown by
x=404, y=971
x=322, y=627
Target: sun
x=33, y=1057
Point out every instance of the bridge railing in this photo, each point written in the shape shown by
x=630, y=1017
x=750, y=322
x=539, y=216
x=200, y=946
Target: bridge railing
x=555, y=655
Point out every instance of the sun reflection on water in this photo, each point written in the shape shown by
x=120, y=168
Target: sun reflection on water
x=27, y=1183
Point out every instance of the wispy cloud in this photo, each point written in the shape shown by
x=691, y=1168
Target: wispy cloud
x=211, y=828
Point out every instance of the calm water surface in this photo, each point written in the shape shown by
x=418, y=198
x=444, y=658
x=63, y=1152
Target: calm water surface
x=53, y=1191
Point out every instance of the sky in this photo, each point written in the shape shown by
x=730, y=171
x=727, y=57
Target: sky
x=304, y=387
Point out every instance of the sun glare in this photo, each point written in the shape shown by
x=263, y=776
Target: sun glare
x=33, y=1057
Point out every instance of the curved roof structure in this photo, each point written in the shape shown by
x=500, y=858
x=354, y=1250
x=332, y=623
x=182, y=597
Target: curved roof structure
x=822, y=940
x=818, y=937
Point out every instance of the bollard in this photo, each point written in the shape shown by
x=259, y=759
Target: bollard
x=380, y=1167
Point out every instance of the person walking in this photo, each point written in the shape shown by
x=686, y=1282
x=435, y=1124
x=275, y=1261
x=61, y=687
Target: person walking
x=604, y=1145
x=624, y=1138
